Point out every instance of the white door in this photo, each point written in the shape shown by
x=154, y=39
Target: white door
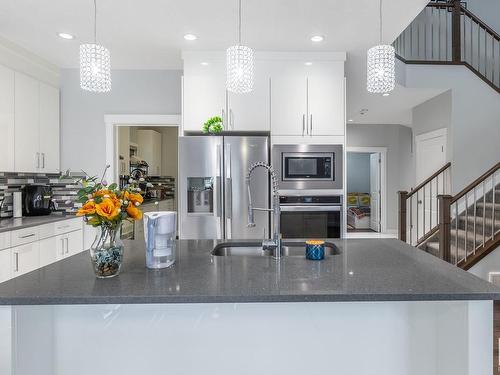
x=48, y=251
x=204, y=96
x=325, y=106
x=27, y=155
x=49, y=128
x=7, y=119
x=288, y=105
x=25, y=258
x=431, y=156
x=74, y=242
x=250, y=111
x=375, y=191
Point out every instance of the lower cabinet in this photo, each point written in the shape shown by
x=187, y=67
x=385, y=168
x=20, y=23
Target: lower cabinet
x=5, y=265
x=49, y=251
x=25, y=258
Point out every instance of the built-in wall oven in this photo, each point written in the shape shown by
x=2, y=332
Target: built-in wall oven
x=306, y=166
x=311, y=216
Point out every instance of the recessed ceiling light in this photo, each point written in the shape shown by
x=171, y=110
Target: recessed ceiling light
x=317, y=38
x=308, y=63
x=350, y=120
x=204, y=63
x=386, y=94
x=66, y=36
x=190, y=37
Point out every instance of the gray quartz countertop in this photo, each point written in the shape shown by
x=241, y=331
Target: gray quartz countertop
x=365, y=270
x=31, y=221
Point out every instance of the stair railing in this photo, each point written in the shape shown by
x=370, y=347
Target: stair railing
x=465, y=236
x=448, y=33
x=418, y=210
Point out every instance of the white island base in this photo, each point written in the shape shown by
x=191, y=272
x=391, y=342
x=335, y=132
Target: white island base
x=345, y=338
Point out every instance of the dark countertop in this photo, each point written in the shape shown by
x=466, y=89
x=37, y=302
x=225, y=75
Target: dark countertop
x=365, y=270
x=9, y=224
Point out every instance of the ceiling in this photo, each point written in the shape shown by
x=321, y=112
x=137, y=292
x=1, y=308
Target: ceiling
x=148, y=34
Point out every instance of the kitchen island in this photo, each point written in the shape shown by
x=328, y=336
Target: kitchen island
x=374, y=307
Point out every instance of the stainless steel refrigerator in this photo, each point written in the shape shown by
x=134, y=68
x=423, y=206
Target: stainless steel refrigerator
x=212, y=188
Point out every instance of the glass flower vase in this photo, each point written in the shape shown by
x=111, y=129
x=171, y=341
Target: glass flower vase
x=107, y=252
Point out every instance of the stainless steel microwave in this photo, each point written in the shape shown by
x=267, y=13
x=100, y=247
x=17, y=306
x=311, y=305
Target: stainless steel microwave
x=308, y=166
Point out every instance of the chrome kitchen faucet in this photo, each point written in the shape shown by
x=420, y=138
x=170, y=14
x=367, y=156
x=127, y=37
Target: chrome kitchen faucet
x=273, y=244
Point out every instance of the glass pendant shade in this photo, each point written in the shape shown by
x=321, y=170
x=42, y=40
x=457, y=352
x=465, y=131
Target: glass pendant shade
x=381, y=74
x=95, y=68
x=239, y=65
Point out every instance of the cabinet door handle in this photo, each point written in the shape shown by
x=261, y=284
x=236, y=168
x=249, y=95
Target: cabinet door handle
x=303, y=124
x=38, y=160
x=28, y=235
x=16, y=255
x=67, y=245
x=62, y=246
x=223, y=118
x=311, y=124
x=43, y=160
x=231, y=119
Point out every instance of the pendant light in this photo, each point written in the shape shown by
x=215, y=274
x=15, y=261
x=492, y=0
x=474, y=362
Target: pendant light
x=239, y=65
x=95, y=64
x=381, y=74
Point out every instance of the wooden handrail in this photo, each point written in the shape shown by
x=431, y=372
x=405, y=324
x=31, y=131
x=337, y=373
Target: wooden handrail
x=427, y=180
x=481, y=23
x=476, y=182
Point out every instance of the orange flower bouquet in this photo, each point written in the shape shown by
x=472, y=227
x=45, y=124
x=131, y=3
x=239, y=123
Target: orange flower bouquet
x=105, y=207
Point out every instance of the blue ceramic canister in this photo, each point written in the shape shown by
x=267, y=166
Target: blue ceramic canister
x=315, y=250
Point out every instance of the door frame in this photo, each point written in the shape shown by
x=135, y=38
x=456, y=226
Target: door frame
x=443, y=132
x=383, y=183
x=112, y=122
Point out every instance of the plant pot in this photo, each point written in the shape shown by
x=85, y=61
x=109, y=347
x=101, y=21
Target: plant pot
x=107, y=252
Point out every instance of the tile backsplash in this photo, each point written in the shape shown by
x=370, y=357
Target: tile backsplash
x=64, y=190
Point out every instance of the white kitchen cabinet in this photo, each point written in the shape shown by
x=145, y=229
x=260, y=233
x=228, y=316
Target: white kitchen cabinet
x=25, y=258
x=325, y=105
x=49, y=129
x=7, y=119
x=288, y=105
x=5, y=265
x=36, y=118
x=48, y=251
x=204, y=96
x=27, y=135
x=149, y=149
x=250, y=111
x=74, y=243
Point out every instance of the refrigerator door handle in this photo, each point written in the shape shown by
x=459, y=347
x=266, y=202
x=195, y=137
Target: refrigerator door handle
x=228, y=191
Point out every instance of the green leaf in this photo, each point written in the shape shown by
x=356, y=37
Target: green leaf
x=113, y=186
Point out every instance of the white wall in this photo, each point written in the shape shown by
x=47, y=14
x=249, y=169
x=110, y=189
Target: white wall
x=82, y=113
x=474, y=121
x=398, y=140
x=486, y=10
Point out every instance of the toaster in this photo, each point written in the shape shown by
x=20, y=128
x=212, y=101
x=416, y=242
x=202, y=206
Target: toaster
x=37, y=200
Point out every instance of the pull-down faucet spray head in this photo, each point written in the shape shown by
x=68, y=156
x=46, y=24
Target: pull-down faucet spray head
x=274, y=181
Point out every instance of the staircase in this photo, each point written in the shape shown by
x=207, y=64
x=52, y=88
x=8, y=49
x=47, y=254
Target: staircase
x=466, y=226
x=446, y=32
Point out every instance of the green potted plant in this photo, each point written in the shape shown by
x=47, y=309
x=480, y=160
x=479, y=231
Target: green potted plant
x=213, y=125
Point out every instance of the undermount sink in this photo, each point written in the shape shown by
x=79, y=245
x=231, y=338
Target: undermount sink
x=246, y=249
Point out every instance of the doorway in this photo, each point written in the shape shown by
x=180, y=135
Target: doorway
x=365, y=171
x=145, y=148
x=430, y=153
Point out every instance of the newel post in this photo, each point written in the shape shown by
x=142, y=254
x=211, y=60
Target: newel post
x=456, y=45
x=403, y=196
x=445, y=227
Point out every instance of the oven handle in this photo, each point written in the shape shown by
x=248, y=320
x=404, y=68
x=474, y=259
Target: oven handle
x=310, y=208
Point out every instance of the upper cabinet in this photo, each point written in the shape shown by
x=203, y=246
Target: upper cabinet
x=205, y=96
x=290, y=98
x=49, y=128
x=7, y=119
x=36, y=118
